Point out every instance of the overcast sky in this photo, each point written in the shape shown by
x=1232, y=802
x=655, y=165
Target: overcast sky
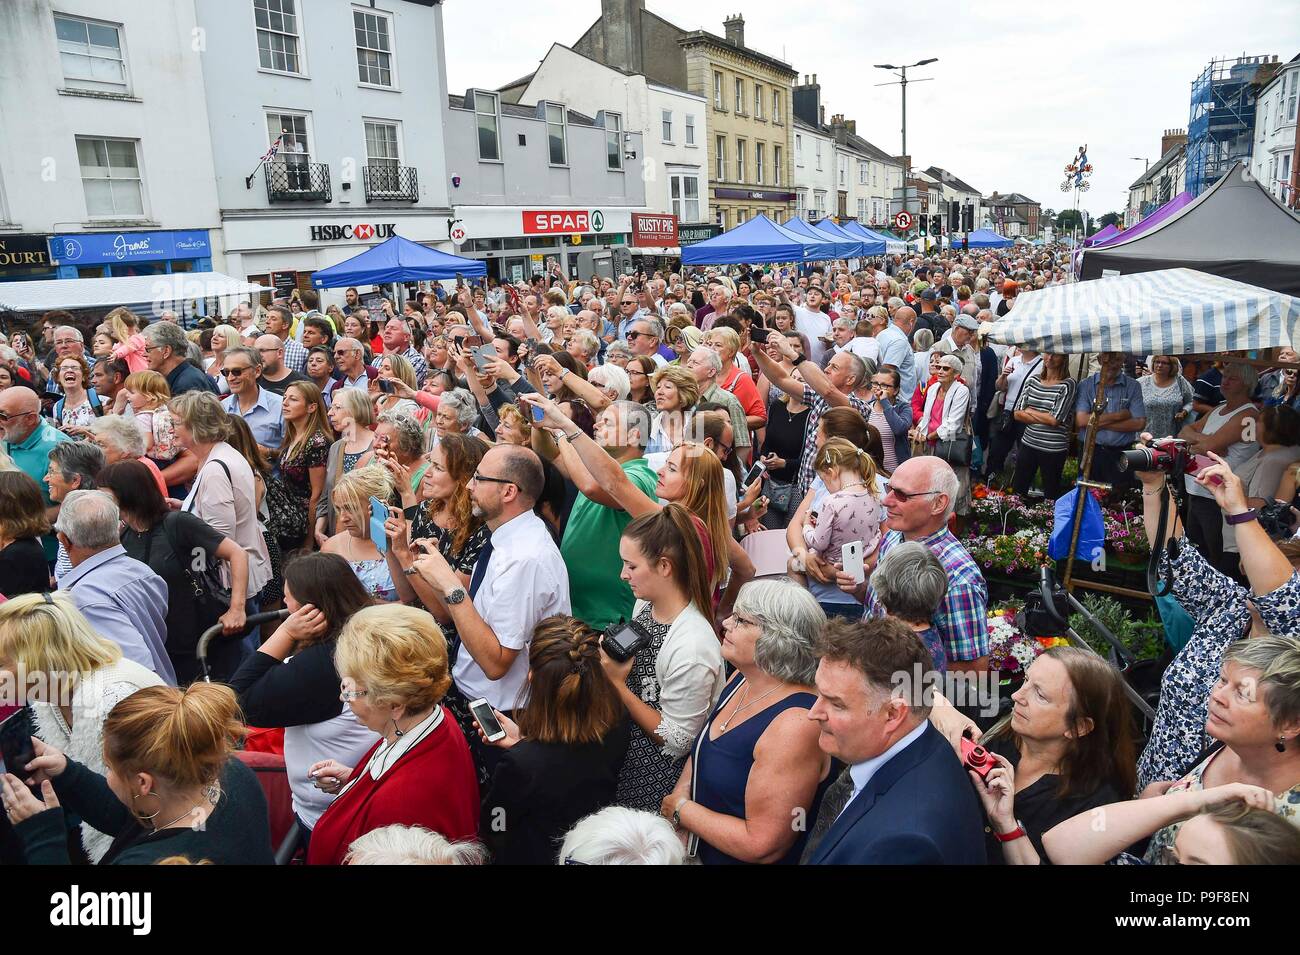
x=1017, y=89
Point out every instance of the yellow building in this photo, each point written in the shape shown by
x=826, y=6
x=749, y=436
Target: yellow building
x=750, y=123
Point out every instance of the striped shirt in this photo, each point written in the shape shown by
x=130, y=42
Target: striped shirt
x=818, y=406
x=295, y=356
x=1058, y=401
x=962, y=618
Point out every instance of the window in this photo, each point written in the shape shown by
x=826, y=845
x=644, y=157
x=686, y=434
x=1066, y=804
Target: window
x=295, y=150
x=666, y=117
x=684, y=191
x=862, y=210
x=374, y=48
x=717, y=92
x=740, y=160
x=800, y=203
x=819, y=203
x=758, y=101
x=740, y=95
x=690, y=130
x=862, y=174
x=721, y=169
x=381, y=148
x=776, y=165
x=277, y=35
x=740, y=216
x=758, y=163
x=110, y=176
x=555, y=138
x=777, y=116
x=798, y=150
x=486, y=112
x=1291, y=97
x=873, y=174
x=722, y=218
x=91, y=54
x=877, y=210
x=819, y=153
x=843, y=168
x=614, y=141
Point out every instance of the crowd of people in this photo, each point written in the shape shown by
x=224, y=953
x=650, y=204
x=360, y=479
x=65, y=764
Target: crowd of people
x=519, y=539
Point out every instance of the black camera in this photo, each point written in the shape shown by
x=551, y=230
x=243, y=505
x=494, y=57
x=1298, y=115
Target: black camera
x=1276, y=519
x=622, y=640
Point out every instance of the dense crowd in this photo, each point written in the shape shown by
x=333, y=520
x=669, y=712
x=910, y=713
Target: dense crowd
x=658, y=569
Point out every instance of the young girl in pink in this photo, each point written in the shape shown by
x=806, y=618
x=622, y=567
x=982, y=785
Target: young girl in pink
x=852, y=510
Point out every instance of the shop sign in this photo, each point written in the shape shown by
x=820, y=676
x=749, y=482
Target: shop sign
x=562, y=221
x=690, y=233
x=24, y=252
x=654, y=230
x=363, y=231
x=94, y=248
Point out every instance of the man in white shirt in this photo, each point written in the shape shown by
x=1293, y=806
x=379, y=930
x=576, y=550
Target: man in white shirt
x=519, y=579
x=350, y=359
x=814, y=324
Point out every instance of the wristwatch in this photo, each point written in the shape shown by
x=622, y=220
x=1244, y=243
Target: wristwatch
x=677, y=811
x=1244, y=517
x=1013, y=835
x=455, y=596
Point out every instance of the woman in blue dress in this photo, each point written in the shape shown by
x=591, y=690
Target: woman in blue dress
x=756, y=776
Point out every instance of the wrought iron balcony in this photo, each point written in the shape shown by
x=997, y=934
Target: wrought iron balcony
x=298, y=182
x=390, y=183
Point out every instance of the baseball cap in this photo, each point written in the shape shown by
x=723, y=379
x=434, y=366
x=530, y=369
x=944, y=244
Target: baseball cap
x=929, y=295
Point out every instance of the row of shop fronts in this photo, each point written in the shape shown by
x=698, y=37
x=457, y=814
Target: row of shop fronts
x=283, y=252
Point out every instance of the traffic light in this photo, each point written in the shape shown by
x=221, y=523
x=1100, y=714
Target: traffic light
x=968, y=218
x=936, y=225
x=954, y=216
x=922, y=224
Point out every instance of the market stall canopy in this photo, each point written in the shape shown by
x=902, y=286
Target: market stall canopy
x=987, y=239
x=1167, y=211
x=137, y=292
x=824, y=246
x=1235, y=229
x=875, y=243
x=397, y=260
x=836, y=231
x=752, y=242
x=1167, y=312
x=1102, y=235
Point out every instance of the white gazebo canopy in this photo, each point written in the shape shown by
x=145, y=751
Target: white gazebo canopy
x=160, y=291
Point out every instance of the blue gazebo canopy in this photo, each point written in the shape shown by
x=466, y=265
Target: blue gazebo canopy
x=987, y=239
x=750, y=243
x=827, y=245
x=837, y=231
x=397, y=260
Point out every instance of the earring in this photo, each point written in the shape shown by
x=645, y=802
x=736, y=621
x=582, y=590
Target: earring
x=151, y=816
x=1280, y=745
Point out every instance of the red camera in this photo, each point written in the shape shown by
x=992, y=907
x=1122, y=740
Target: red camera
x=976, y=757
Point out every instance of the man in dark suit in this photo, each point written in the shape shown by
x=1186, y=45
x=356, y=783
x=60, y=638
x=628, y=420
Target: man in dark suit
x=904, y=798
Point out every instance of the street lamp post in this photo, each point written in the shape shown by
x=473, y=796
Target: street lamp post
x=903, y=81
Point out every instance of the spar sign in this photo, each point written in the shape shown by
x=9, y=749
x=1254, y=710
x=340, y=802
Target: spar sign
x=562, y=221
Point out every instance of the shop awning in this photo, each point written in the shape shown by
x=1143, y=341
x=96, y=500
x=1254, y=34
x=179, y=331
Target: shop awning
x=160, y=290
x=397, y=260
x=1165, y=312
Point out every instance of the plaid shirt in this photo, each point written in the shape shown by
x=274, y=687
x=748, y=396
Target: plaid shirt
x=962, y=618
x=295, y=356
x=818, y=406
x=414, y=357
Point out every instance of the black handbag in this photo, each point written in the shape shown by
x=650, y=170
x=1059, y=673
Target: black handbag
x=779, y=495
x=211, y=595
x=957, y=451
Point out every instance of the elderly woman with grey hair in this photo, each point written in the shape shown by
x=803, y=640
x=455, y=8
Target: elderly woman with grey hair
x=612, y=380
x=73, y=466
x=399, y=446
x=618, y=354
x=756, y=764
x=911, y=584
x=456, y=413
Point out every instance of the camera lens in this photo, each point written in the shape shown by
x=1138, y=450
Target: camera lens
x=1138, y=459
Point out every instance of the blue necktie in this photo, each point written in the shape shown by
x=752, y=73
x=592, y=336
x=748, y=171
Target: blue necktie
x=480, y=568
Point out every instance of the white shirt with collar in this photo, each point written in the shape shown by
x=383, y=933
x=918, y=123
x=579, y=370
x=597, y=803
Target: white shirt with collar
x=525, y=581
x=861, y=773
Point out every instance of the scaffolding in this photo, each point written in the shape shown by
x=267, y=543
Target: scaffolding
x=1222, y=119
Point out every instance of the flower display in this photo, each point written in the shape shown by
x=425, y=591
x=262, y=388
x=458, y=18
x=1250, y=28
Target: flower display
x=1010, y=650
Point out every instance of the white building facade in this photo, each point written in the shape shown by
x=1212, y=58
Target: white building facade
x=816, y=167
x=673, y=124
x=105, y=157
x=352, y=93
x=1273, y=159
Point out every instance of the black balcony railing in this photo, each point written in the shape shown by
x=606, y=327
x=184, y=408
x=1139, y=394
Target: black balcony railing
x=391, y=183
x=298, y=182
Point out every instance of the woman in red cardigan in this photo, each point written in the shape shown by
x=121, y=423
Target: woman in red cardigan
x=393, y=661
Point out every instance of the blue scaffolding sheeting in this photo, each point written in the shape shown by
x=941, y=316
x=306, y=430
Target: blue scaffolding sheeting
x=1222, y=119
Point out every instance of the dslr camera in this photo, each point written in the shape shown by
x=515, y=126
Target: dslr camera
x=1170, y=455
x=623, y=640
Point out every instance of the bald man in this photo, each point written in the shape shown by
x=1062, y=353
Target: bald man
x=28, y=439
x=276, y=375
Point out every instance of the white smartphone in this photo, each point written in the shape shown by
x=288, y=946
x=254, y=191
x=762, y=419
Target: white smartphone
x=487, y=720
x=851, y=561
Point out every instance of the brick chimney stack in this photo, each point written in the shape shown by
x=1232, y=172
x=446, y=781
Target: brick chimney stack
x=735, y=30
x=1172, y=138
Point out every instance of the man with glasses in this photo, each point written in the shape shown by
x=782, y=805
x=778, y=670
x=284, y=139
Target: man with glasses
x=28, y=440
x=260, y=408
x=350, y=360
x=921, y=497
x=643, y=339
x=67, y=341
x=276, y=375
x=166, y=350
x=629, y=310
x=706, y=365
x=518, y=580
x=397, y=341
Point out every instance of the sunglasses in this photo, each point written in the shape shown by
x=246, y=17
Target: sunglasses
x=234, y=372
x=906, y=496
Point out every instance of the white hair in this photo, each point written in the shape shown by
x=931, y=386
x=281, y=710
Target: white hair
x=944, y=480
x=618, y=836
x=611, y=378
x=713, y=358
x=558, y=311
x=89, y=519
x=411, y=845
x=588, y=342
x=125, y=434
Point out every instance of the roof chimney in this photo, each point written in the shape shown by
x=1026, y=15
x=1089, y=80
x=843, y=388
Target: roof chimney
x=735, y=29
x=1172, y=138
x=852, y=125
x=821, y=114
x=622, y=23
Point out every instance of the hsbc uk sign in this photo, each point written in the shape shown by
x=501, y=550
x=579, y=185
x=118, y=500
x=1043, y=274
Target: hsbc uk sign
x=562, y=221
x=364, y=231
